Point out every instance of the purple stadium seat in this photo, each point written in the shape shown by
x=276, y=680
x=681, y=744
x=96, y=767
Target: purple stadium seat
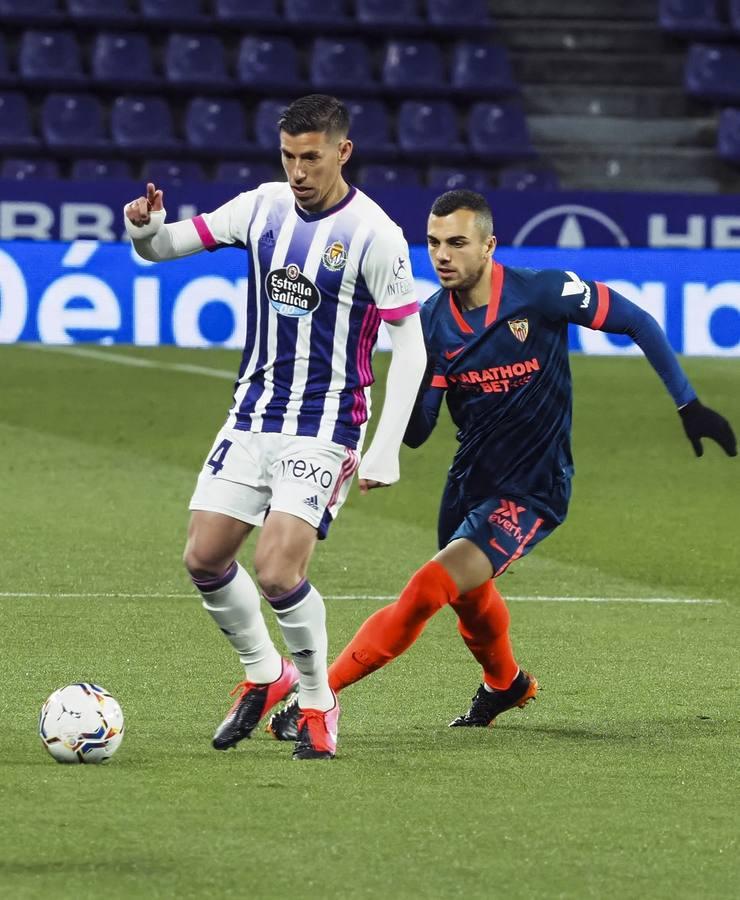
x=216, y=126
x=338, y=63
x=482, y=68
x=728, y=136
x=73, y=122
x=499, y=131
x=413, y=64
x=387, y=12
x=15, y=122
x=248, y=174
x=454, y=13
x=446, y=178
x=265, y=123
x=26, y=9
x=100, y=11
x=734, y=13
x=248, y=12
x=120, y=58
x=173, y=173
x=142, y=123
x=268, y=62
x=370, y=128
x=173, y=11
x=692, y=18
x=101, y=170
x=713, y=73
x=195, y=59
x=377, y=175
x=430, y=127
x=521, y=178
x=50, y=56
x=308, y=12
x=25, y=169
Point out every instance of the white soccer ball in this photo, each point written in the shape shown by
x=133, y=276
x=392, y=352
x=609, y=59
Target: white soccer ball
x=81, y=723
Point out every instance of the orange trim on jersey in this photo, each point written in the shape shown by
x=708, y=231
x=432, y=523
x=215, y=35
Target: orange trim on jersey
x=439, y=381
x=457, y=316
x=497, y=286
x=520, y=549
x=603, y=306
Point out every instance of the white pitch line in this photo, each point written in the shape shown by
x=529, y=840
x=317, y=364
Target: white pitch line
x=137, y=361
x=516, y=598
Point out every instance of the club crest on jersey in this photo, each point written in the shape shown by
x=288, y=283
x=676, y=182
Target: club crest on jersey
x=290, y=292
x=335, y=256
x=519, y=328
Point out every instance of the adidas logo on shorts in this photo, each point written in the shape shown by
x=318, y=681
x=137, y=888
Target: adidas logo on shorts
x=313, y=502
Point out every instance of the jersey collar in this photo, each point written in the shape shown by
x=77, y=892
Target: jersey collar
x=494, y=301
x=315, y=217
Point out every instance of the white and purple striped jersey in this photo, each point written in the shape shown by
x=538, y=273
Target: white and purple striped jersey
x=319, y=285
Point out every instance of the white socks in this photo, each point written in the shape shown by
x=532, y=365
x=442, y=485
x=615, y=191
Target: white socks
x=302, y=618
x=233, y=602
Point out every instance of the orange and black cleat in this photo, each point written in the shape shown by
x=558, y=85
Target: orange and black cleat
x=487, y=705
x=317, y=733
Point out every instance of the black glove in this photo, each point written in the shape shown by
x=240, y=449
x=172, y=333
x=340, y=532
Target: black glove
x=700, y=421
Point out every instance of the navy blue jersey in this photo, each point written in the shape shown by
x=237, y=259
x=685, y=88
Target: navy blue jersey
x=505, y=372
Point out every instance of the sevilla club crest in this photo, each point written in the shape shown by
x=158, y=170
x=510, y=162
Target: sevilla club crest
x=519, y=328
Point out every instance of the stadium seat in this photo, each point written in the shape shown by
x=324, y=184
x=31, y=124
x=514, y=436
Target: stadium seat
x=120, y=58
x=27, y=9
x=446, y=178
x=216, y=126
x=713, y=73
x=387, y=12
x=100, y=11
x=308, y=12
x=247, y=174
x=25, y=169
x=481, y=68
x=265, y=124
x=370, y=128
x=6, y=76
x=248, y=12
x=142, y=123
x=454, y=14
x=268, y=62
x=521, y=178
x=337, y=63
x=73, y=122
x=101, y=170
x=409, y=65
x=15, y=122
x=734, y=14
x=52, y=56
x=173, y=11
x=429, y=128
x=692, y=18
x=173, y=173
x=728, y=136
x=377, y=175
x=195, y=59
x=499, y=131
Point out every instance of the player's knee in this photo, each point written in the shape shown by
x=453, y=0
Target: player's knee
x=275, y=576
x=202, y=562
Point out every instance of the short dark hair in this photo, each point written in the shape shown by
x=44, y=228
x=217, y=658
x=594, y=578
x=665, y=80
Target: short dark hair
x=451, y=201
x=315, y=112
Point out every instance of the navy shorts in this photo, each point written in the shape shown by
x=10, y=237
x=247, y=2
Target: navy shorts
x=505, y=528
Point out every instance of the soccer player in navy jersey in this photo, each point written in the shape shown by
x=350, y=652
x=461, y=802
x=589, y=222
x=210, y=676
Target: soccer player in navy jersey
x=326, y=265
x=497, y=344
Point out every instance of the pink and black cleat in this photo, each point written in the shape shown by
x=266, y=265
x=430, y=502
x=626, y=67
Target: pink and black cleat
x=253, y=704
x=317, y=733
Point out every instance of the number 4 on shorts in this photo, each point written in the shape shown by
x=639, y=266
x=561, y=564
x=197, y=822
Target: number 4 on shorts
x=216, y=462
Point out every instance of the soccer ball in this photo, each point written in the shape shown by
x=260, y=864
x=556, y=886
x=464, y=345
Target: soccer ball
x=81, y=723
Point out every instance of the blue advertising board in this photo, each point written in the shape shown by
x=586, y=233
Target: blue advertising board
x=88, y=291
x=70, y=210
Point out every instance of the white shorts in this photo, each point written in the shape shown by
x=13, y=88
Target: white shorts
x=248, y=473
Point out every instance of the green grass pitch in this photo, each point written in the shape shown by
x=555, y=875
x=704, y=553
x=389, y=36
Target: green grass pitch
x=619, y=782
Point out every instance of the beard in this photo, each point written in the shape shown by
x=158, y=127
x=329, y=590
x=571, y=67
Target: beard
x=469, y=281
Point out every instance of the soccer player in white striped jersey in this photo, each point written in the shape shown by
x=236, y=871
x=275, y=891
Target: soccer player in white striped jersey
x=326, y=265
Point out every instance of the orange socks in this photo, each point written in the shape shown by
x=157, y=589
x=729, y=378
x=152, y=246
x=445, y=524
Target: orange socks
x=393, y=629
x=484, y=626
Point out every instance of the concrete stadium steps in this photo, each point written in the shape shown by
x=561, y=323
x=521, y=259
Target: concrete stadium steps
x=633, y=132
x=567, y=67
x=584, y=36
x=608, y=100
